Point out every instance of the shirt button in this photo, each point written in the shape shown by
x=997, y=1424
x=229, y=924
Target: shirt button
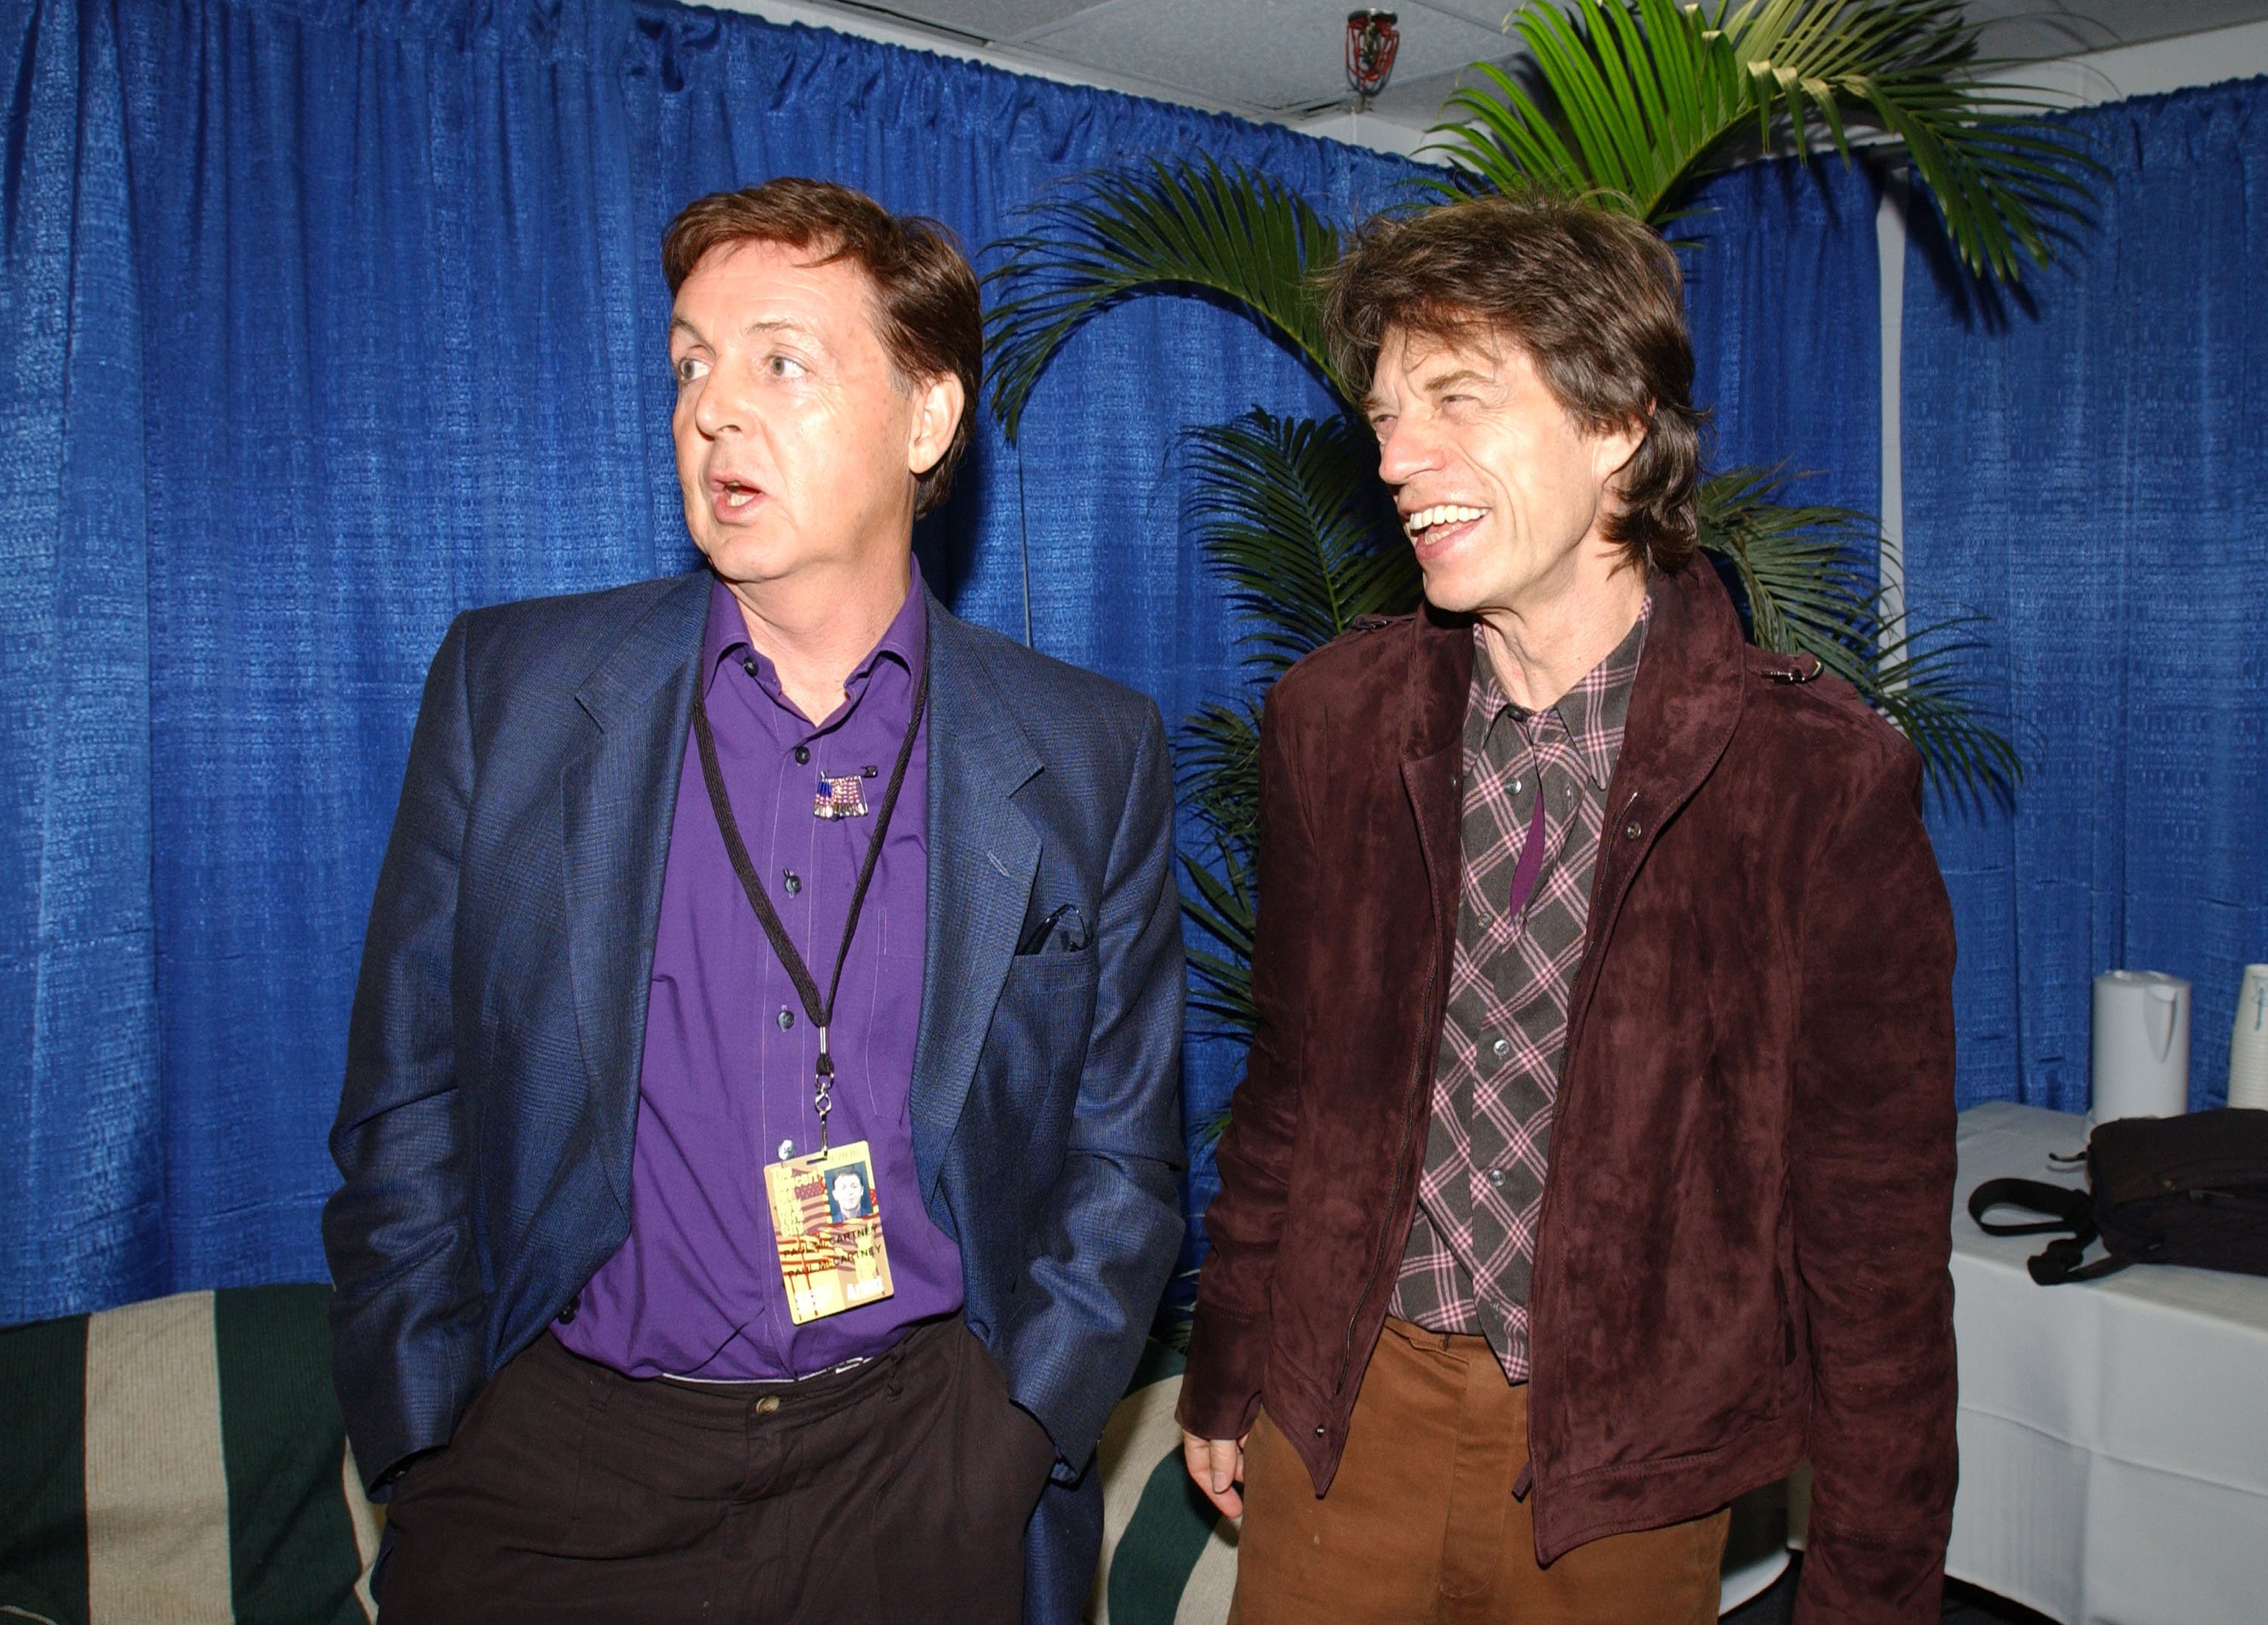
x=786, y=1018
x=1319, y=1430
x=1496, y=1177
x=1500, y=1047
x=749, y=666
x=792, y=881
x=1516, y=783
x=802, y=755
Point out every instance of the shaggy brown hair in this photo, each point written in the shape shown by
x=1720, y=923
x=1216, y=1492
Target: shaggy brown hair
x=1595, y=300
x=927, y=306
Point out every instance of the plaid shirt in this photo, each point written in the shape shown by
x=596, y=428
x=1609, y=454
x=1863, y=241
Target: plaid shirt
x=1496, y=1080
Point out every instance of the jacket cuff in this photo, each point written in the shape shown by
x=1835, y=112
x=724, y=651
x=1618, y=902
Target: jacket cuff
x=1873, y=1577
x=1221, y=1387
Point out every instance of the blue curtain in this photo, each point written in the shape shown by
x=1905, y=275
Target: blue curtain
x=2086, y=464
x=82, y=1184
x=324, y=319
x=1784, y=297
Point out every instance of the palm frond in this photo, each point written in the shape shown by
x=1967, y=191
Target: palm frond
x=1805, y=594
x=1158, y=228
x=1222, y=906
x=1290, y=513
x=1219, y=768
x=1644, y=97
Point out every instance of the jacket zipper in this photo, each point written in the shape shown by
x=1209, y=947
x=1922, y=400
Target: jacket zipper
x=1392, y=1197
x=1577, y=1013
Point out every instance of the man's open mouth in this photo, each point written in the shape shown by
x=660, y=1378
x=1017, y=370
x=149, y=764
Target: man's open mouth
x=1439, y=515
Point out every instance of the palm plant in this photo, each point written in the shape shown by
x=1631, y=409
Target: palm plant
x=1632, y=103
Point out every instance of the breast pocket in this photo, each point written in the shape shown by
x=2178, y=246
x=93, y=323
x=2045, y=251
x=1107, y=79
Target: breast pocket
x=1036, y=1047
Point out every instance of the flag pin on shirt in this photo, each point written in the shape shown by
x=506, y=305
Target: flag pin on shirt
x=842, y=798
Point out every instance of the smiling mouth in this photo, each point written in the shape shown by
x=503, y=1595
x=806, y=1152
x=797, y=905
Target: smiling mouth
x=1440, y=519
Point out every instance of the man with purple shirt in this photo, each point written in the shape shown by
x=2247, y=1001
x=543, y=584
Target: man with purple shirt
x=760, y=1134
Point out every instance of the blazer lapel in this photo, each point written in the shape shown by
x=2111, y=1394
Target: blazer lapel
x=984, y=854
x=618, y=796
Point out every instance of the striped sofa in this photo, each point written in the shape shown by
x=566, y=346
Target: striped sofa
x=182, y=1462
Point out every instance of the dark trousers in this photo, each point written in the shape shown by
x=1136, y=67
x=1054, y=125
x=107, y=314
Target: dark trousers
x=896, y=1490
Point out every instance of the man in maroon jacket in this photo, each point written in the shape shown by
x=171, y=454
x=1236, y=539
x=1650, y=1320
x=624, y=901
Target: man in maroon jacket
x=1595, y=1163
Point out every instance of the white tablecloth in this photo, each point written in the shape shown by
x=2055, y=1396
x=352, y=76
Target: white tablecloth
x=2113, y=1433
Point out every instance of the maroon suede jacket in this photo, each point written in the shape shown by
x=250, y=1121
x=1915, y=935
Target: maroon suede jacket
x=1748, y=1218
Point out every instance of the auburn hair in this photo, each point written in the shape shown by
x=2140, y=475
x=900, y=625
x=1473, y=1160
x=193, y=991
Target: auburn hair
x=927, y=310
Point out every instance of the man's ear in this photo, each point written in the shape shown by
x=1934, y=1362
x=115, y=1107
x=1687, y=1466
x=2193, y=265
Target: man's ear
x=938, y=404
x=1611, y=451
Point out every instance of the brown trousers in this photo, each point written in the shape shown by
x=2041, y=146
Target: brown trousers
x=896, y=1490
x=1420, y=1526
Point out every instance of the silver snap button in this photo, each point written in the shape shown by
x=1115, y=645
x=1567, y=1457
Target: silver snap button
x=1631, y=832
x=1502, y=1047
x=1496, y=1177
x=792, y=881
x=787, y=1020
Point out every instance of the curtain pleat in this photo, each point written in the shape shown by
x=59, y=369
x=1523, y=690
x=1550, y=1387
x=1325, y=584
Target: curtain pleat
x=1784, y=297
x=82, y=1116
x=2085, y=466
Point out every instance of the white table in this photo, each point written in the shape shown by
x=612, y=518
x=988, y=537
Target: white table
x=2113, y=1433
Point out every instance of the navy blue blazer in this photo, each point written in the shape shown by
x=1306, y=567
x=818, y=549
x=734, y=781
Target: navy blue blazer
x=485, y=1127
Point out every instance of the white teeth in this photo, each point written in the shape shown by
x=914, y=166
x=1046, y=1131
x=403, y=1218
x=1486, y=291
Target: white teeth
x=1440, y=513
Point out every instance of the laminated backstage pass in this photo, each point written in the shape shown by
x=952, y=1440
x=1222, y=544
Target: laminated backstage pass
x=828, y=1222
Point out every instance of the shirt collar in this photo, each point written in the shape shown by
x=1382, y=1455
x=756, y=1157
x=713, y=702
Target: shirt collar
x=906, y=638
x=1595, y=711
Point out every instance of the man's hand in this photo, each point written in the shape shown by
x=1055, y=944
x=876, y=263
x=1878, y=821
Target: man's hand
x=1218, y=1467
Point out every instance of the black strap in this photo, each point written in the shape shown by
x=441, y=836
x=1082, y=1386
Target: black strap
x=2072, y=1209
x=806, y=988
x=2073, y=1212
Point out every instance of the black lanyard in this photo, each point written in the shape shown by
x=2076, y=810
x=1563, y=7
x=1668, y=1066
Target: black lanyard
x=806, y=988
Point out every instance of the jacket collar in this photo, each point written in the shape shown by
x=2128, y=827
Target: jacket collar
x=1684, y=708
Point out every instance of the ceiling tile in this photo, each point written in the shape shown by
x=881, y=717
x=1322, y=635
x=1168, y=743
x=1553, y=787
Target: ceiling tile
x=1260, y=54
x=987, y=19
x=1490, y=14
x=2065, y=27
x=1419, y=101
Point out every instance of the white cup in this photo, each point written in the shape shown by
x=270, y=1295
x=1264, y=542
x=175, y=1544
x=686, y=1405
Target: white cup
x=2248, y=1042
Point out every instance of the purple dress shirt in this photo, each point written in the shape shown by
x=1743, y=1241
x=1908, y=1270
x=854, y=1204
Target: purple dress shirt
x=726, y=1081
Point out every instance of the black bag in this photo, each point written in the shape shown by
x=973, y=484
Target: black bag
x=2172, y=1190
